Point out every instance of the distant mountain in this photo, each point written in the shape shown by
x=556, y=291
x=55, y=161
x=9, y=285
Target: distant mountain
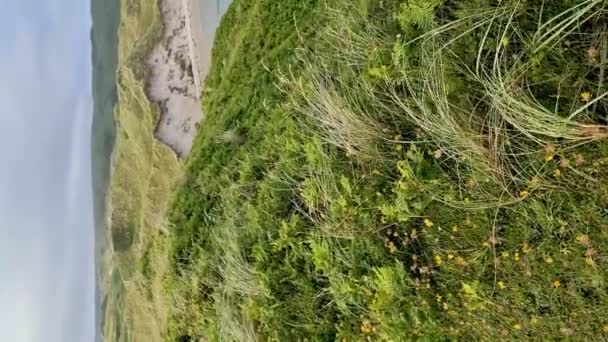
x=106, y=18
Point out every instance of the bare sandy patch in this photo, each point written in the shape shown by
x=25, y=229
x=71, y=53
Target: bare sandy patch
x=176, y=74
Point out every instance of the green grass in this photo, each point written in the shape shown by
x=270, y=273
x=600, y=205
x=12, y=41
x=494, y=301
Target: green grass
x=393, y=171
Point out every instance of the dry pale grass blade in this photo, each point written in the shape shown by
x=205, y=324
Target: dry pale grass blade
x=554, y=30
x=233, y=327
x=506, y=93
x=340, y=122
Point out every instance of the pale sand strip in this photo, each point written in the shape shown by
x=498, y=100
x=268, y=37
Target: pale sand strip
x=176, y=74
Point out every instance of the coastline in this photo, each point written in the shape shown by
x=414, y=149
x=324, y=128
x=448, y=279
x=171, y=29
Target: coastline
x=176, y=75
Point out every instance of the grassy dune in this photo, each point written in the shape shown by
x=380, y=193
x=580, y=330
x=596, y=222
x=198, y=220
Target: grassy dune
x=144, y=173
x=397, y=170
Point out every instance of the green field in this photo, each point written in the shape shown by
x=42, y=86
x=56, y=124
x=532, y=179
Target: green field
x=391, y=171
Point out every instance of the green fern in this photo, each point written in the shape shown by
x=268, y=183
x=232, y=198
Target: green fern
x=417, y=14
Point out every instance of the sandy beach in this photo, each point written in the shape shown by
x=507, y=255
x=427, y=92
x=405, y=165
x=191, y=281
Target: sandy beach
x=177, y=74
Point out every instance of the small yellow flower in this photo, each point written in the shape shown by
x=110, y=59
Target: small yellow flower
x=450, y=256
x=582, y=239
x=516, y=256
x=439, y=298
x=557, y=173
x=517, y=327
x=550, y=152
x=526, y=248
x=534, y=321
x=460, y=261
x=585, y=96
x=549, y=260
x=445, y=306
x=589, y=260
x=524, y=194
x=455, y=228
x=366, y=327
x=556, y=283
x=428, y=223
x=438, y=260
x=505, y=254
x=501, y=285
x=391, y=247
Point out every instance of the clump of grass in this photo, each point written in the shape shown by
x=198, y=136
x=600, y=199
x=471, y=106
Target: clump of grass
x=341, y=121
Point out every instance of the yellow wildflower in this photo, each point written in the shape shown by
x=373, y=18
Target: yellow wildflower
x=366, y=327
x=439, y=298
x=524, y=194
x=517, y=327
x=428, y=223
x=549, y=152
x=582, y=239
x=450, y=256
x=501, y=285
x=585, y=96
x=516, y=256
x=445, y=306
x=460, y=261
x=455, y=228
x=589, y=260
x=526, y=248
x=438, y=260
x=556, y=283
x=505, y=254
x=549, y=260
x=557, y=173
x=391, y=247
x=534, y=321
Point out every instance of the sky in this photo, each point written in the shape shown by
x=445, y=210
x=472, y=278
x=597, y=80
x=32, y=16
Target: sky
x=47, y=279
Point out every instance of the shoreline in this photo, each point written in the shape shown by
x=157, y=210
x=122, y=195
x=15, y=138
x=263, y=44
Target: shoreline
x=175, y=82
